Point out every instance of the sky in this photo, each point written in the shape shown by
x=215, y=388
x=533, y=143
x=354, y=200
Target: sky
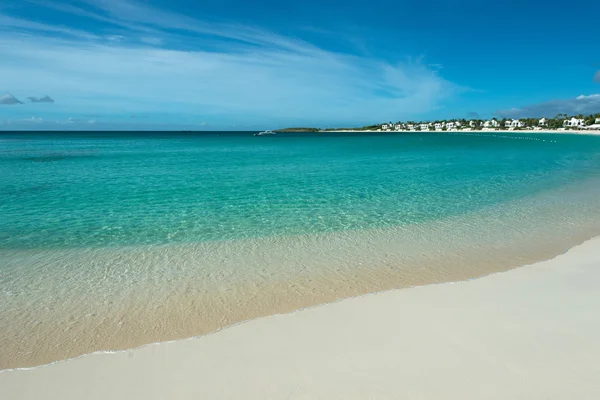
x=265, y=64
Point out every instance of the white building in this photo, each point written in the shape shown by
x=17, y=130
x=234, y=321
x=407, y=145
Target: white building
x=438, y=126
x=473, y=124
x=543, y=122
x=597, y=121
x=398, y=127
x=574, y=123
x=515, y=123
x=491, y=124
x=410, y=127
x=385, y=127
x=424, y=127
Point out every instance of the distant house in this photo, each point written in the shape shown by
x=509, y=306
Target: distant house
x=410, y=127
x=424, y=127
x=450, y=125
x=491, y=124
x=398, y=127
x=574, y=123
x=515, y=123
x=438, y=126
x=597, y=121
x=473, y=124
x=543, y=122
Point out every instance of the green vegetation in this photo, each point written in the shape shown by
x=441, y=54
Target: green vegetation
x=298, y=130
x=364, y=128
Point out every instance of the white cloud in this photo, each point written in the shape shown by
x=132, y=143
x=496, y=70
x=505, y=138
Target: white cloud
x=19, y=24
x=137, y=15
x=116, y=38
x=580, y=105
x=263, y=75
x=265, y=81
x=28, y=121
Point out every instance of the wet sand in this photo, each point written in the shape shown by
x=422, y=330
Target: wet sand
x=527, y=333
x=125, y=298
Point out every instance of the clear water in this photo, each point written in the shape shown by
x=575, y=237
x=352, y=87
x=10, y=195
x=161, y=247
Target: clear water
x=113, y=240
x=112, y=189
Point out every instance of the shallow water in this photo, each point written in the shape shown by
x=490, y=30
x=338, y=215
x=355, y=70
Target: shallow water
x=112, y=240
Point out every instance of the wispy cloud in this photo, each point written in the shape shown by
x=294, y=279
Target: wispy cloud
x=23, y=25
x=597, y=77
x=150, y=23
x=238, y=72
x=579, y=105
x=33, y=120
x=78, y=121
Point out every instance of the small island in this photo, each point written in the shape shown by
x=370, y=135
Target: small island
x=298, y=130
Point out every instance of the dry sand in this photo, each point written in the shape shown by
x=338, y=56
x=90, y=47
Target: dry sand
x=531, y=333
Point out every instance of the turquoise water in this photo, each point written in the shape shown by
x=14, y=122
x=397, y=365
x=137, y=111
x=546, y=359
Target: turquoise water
x=110, y=189
x=114, y=240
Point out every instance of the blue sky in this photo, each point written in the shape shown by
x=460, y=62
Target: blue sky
x=237, y=65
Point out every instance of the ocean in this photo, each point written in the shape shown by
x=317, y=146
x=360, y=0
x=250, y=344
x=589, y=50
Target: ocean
x=111, y=240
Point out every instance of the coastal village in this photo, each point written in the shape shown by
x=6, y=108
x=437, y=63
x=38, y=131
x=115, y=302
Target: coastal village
x=561, y=122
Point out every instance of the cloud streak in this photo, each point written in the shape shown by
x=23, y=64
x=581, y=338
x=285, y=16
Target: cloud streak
x=239, y=73
x=580, y=105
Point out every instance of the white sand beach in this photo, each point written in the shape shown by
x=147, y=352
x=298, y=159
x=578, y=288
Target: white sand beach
x=530, y=333
x=489, y=131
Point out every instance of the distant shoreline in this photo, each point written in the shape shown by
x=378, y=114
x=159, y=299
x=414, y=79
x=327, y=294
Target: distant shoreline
x=553, y=131
x=549, y=131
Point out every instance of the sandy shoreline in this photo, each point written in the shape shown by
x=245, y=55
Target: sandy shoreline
x=294, y=273
x=582, y=132
x=527, y=333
